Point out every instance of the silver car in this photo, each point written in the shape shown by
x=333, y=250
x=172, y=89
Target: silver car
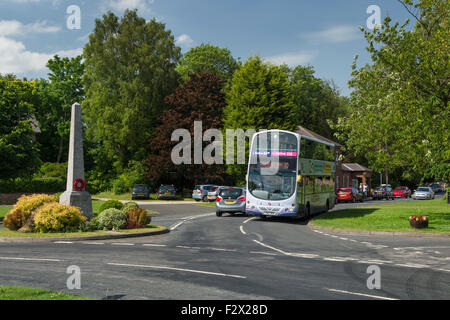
x=423, y=193
x=212, y=195
x=231, y=200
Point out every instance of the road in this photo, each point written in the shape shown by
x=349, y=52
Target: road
x=235, y=257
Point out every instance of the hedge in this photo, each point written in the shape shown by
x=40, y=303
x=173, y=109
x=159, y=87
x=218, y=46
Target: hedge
x=36, y=185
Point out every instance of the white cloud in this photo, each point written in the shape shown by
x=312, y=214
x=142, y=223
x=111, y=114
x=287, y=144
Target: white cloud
x=292, y=58
x=14, y=27
x=335, y=34
x=15, y=58
x=184, y=40
x=121, y=5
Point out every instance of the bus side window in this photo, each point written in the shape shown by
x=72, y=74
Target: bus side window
x=318, y=187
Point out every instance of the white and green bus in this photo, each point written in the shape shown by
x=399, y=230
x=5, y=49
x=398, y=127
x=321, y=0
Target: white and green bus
x=289, y=175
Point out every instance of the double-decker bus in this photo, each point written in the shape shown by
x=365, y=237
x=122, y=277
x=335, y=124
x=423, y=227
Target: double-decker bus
x=289, y=175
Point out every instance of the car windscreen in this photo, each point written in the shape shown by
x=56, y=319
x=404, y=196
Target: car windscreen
x=230, y=193
x=400, y=188
x=140, y=189
x=166, y=188
x=345, y=190
x=423, y=189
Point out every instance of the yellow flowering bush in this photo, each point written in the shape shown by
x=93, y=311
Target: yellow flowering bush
x=23, y=208
x=55, y=217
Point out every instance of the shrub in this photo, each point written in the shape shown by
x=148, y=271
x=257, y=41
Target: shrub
x=87, y=226
x=53, y=170
x=22, y=210
x=137, y=218
x=132, y=175
x=35, y=185
x=55, y=217
x=129, y=205
x=112, y=219
x=14, y=220
x=110, y=204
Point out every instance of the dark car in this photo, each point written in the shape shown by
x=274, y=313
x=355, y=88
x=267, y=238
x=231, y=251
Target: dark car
x=349, y=194
x=230, y=200
x=383, y=193
x=402, y=192
x=167, y=191
x=140, y=191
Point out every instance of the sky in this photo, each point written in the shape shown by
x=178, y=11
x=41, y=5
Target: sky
x=322, y=33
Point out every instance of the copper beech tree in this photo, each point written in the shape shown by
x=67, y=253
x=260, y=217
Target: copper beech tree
x=201, y=98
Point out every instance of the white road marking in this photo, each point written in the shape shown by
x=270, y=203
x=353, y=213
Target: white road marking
x=29, y=259
x=220, y=249
x=242, y=230
x=267, y=246
x=177, y=269
x=410, y=265
x=91, y=242
x=335, y=259
x=304, y=255
x=153, y=245
x=63, y=242
x=266, y=253
x=188, y=219
x=122, y=244
x=187, y=247
x=248, y=220
x=361, y=294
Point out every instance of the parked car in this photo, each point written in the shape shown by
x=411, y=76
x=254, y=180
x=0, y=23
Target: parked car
x=230, y=200
x=383, y=193
x=212, y=195
x=167, y=191
x=348, y=194
x=402, y=192
x=424, y=193
x=436, y=187
x=200, y=192
x=141, y=191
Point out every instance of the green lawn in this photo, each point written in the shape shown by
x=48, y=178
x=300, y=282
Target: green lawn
x=20, y=293
x=4, y=211
x=389, y=217
x=207, y=204
x=127, y=196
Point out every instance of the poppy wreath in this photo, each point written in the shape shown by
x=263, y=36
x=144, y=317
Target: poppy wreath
x=79, y=184
x=418, y=221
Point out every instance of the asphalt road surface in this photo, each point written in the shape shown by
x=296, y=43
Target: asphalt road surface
x=235, y=257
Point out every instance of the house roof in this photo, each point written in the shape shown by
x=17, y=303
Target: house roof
x=354, y=167
x=308, y=133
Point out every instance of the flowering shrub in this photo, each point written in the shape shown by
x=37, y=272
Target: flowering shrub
x=110, y=204
x=55, y=217
x=22, y=210
x=129, y=205
x=418, y=221
x=112, y=219
x=137, y=218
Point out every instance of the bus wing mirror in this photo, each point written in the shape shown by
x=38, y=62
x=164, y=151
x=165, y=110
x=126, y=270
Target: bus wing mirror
x=299, y=178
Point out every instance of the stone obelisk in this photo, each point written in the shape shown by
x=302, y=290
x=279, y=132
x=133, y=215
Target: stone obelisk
x=75, y=194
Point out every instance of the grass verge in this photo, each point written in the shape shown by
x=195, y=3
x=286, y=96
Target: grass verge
x=389, y=217
x=206, y=204
x=21, y=293
x=4, y=211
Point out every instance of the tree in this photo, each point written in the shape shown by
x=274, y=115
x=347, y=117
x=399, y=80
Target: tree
x=317, y=102
x=18, y=151
x=199, y=99
x=129, y=69
x=260, y=97
x=399, y=119
x=207, y=58
x=56, y=98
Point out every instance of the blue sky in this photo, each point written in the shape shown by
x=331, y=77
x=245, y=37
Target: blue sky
x=322, y=33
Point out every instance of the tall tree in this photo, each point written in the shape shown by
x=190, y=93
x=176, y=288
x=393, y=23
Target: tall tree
x=260, y=97
x=199, y=99
x=19, y=154
x=316, y=101
x=400, y=112
x=130, y=68
x=207, y=58
x=63, y=89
